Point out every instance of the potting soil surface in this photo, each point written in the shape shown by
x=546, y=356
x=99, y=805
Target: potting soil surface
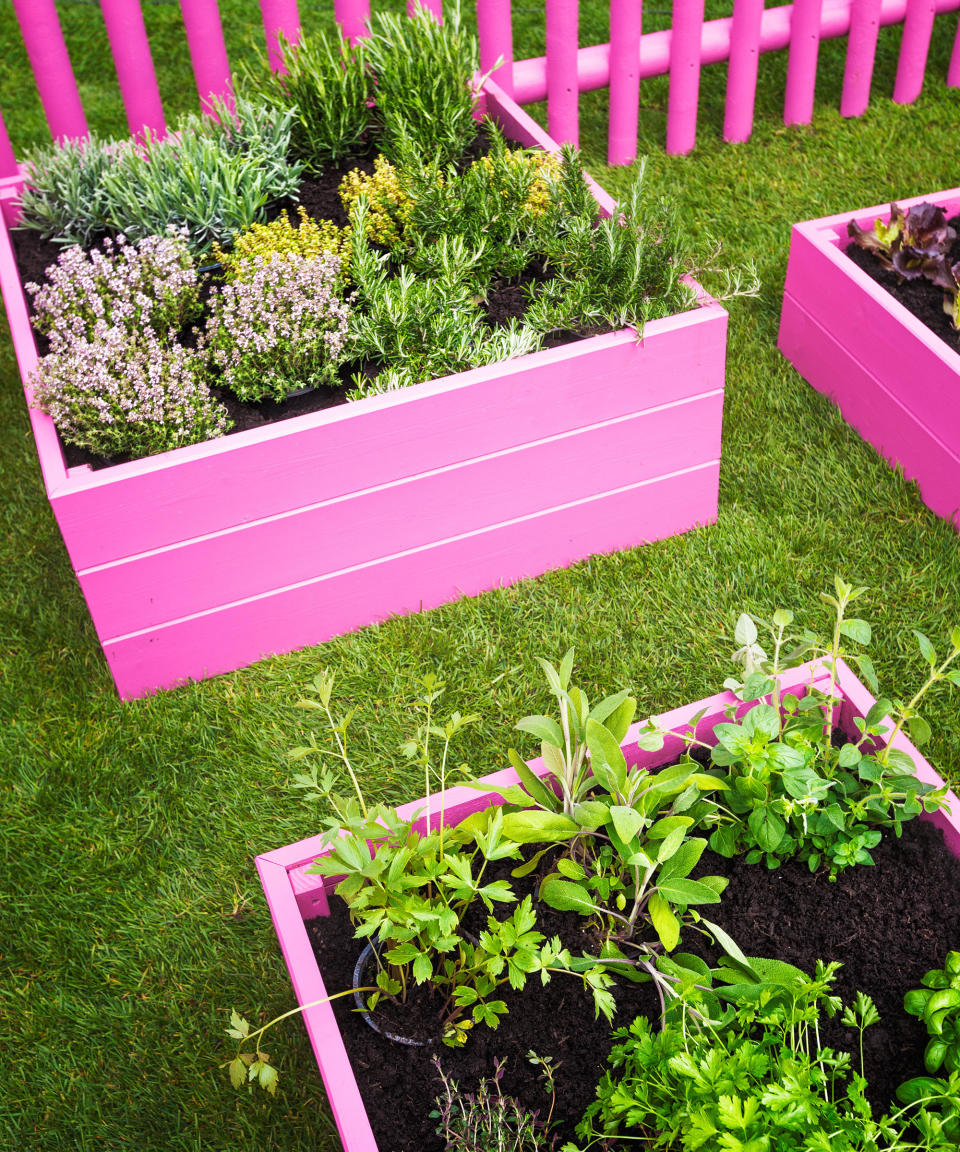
x=887, y=924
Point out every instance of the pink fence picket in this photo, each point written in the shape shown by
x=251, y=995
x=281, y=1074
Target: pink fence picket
x=559, y=76
x=208, y=54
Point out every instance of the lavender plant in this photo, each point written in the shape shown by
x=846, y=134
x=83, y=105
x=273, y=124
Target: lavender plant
x=152, y=283
x=63, y=196
x=211, y=176
x=127, y=394
x=279, y=327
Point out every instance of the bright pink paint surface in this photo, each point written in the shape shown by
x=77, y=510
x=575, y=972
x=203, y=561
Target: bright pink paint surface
x=201, y=560
x=294, y=895
x=893, y=379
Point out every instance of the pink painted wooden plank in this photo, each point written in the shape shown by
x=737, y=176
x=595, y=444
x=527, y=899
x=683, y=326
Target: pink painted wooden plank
x=280, y=18
x=877, y=331
x=872, y=410
x=134, y=65
x=684, y=76
x=495, y=32
x=8, y=162
x=47, y=52
x=317, y=610
x=861, y=50
x=209, y=487
x=917, y=29
x=353, y=16
x=562, y=90
x=953, y=72
x=208, y=53
x=321, y=1025
x=742, y=74
x=802, y=64
x=147, y=590
x=626, y=20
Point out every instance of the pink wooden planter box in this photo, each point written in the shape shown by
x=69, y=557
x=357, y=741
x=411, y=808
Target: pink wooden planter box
x=895, y=381
x=204, y=559
x=294, y=896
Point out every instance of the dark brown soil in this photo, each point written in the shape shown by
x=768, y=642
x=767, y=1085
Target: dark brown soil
x=887, y=924
x=923, y=299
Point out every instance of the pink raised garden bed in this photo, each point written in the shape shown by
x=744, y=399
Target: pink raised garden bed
x=894, y=381
x=295, y=896
x=204, y=559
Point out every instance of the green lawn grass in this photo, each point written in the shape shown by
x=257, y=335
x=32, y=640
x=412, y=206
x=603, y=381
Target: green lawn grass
x=131, y=919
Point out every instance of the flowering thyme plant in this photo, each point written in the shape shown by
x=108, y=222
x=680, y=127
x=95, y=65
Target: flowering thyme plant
x=280, y=327
x=149, y=284
x=127, y=394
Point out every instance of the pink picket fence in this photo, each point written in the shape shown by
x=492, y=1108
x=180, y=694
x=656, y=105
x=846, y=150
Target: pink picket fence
x=558, y=77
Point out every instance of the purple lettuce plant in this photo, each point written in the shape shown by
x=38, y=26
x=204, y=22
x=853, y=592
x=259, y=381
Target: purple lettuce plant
x=152, y=284
x=280, y=328
x=123, y=393
x=916, y=244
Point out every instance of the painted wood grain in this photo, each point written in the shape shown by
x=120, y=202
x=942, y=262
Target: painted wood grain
x=872, y=409
x=414, y=512
x=316, y=610
x=208, y=487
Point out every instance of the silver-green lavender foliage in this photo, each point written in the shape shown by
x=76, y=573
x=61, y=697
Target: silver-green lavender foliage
x=281, y=328
x=326, y=86
x=152, y=283
x=122, y=394
x=424, y=73
x=213, y=177
x=63, y=196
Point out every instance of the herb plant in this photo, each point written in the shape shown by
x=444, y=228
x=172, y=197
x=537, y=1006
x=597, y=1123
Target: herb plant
x=486, y=1120
x=212, y=177
x=631, y=854
x=260, y=243
x=409, y=886
x=423, y=70
x=63, y=197
x=790, y=792
x=149, y=284
x=937, y=1004
x=120, y=394
x=739, y=1067
x=279, y=328
x=325, y=87
x=916, y=244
